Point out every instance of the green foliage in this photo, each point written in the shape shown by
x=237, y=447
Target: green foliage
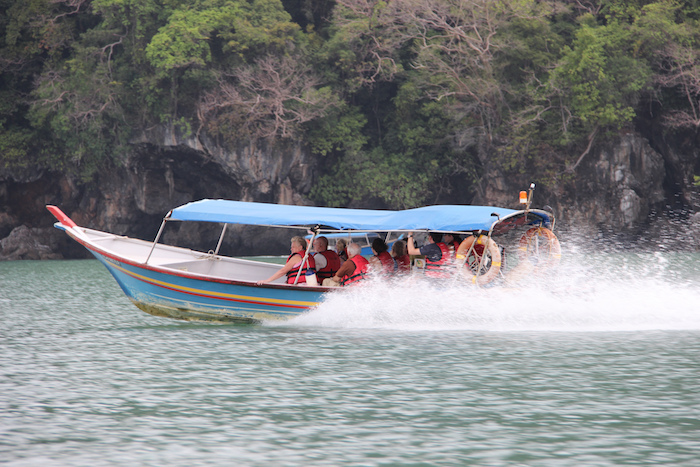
x=600, y=77
x=403, y=105
x=533, y=48
x=241, y=30
x=375, y=175
x=183, y=41
x=340, y=131
x=413, y=162
x=14, y=145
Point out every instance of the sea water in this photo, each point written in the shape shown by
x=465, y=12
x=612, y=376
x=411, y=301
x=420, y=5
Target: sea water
x=595, y=365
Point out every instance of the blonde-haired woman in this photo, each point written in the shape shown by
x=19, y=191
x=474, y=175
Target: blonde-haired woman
x=291, y=267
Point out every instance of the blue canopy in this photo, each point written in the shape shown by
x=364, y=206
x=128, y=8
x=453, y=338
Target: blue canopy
x=437, y=218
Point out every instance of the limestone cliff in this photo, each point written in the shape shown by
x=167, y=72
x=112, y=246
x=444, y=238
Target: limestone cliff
x=634, y=190
x=164, y=171
x=633, y=187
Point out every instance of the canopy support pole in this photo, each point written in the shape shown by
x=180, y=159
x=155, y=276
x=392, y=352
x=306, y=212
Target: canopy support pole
x=221, y=239
x=529, y=197
x=306, y=254
x=160, y=231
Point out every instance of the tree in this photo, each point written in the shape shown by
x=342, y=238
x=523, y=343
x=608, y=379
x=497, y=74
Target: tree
x=595, y=87
x=274, y=97
x=34, y=35
x=449, y=99
x=672, y=49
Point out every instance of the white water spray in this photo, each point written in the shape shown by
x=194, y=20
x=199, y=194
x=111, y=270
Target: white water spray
x=599, y=293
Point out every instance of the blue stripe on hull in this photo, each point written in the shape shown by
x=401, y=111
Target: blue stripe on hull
x=182, y=297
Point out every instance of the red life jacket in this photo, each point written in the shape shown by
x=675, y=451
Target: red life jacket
x=388, y=263
x=361, y=268
x=437, y=268
x=292, y=273
x=403, y=263
x=331, y=267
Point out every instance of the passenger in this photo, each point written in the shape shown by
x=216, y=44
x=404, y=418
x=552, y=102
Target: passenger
x=382, y=261
x=291, y=267
x=340, y=248
x=452, y=241
x=403, y=261
x=327, y=261
x=437, y=255
x=352, y=271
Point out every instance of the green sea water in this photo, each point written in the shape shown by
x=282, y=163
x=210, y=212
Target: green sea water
x=600, y=366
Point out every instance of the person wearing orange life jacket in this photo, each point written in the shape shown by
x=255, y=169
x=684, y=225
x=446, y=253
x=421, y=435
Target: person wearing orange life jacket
x=327, y=261
x=294, y=262
x=352, y=271
x=437, y=255
x=382, y=261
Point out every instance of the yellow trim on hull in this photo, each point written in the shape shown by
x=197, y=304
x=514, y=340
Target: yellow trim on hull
x=212, y=293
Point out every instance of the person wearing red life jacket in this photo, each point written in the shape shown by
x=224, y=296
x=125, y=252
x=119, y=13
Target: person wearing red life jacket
x=382, y=261
x=353, y=270
x=452, y=241
x=327, y=261
x=403, y=261
x=437, y=255
x=295, y=261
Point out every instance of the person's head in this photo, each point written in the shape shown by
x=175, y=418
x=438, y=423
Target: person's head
x=320, y=244
x=298, y=244
x=379, y=246
x=398, y=248
x=451, y=238
x=354, y=249
x=435, y=236
x=340, y=245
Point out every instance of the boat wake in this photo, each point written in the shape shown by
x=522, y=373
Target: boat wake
x=630, y=292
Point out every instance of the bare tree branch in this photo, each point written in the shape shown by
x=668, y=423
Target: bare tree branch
x=591, y=139
x=454, y=43
x=73, y=5
x=681, y=71
x=274, y=97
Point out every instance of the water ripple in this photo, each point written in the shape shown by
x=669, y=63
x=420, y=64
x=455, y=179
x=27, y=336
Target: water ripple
x=88, y=380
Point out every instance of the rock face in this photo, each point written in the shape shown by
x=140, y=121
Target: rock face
x=26, y=243
x=274, y=173
x=617, y=188
x=164, y=171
